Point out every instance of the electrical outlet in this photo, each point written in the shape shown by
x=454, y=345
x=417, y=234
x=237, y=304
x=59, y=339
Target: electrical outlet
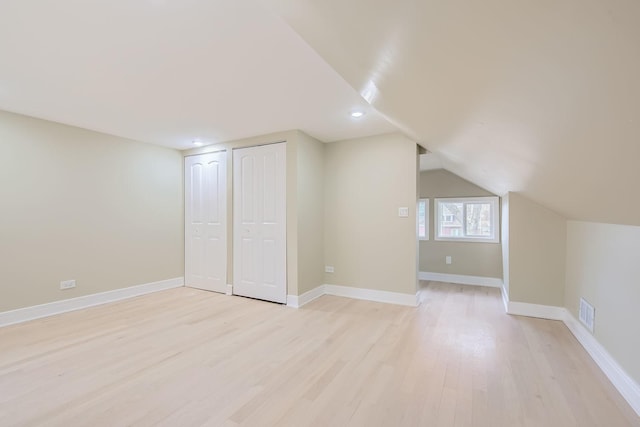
x=328, y=269
x=67, y=284
x=447, y=259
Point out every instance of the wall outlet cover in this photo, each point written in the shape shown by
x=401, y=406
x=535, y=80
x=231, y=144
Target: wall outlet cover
x=67, y=284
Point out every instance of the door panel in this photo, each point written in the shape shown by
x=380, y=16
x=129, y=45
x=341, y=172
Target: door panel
x=260, y=222
x=205, y=222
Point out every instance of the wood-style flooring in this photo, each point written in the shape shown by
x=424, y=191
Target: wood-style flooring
x=186, y=357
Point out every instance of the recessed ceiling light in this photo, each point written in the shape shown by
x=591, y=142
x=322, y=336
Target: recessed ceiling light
x=357, y=114
x=198, y=143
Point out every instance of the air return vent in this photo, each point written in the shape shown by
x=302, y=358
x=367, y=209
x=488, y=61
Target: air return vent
x=586, y=314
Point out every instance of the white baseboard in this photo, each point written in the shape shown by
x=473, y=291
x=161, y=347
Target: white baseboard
x=63, y=306
x=461, y=279
x=296, y=301
x=355, y=293
x=625, y=385
x=535, y=310
x=505, y=298
x=373, y=295
x=628, y=388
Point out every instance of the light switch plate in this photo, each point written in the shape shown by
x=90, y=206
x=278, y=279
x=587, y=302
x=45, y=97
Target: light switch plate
x=403, y=212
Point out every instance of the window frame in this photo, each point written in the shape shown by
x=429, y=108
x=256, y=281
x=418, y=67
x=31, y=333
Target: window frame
x=495, y=218
x=427, y=219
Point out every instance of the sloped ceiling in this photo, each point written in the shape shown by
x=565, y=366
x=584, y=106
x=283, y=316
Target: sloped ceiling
x=167, y=72
x=536, y=97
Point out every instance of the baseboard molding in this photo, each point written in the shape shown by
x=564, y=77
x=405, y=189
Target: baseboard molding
x=373, y=295
x=38, y=311
x=535, y=310
x=297, y=301
x=505, y=298
x=355, y=293
x=461, y=279
x=627, y=387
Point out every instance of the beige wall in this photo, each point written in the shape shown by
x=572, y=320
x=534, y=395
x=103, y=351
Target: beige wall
x=537, y=242
x=366, y=180
x=505, y=237
x=468, y=258
x=603, y=266
x=310, y=213
x=76, y=204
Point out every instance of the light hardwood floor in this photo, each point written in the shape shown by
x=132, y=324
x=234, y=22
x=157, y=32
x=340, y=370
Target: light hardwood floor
x=186, y=357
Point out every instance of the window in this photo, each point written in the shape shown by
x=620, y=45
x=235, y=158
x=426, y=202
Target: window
x=471, y=219
x=423, y=219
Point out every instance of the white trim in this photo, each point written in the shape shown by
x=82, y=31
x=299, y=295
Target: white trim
x=427, y=220
x=411, y=300
x=214, y=148
x=355, y=293
x=495, y=218
x=505, y=298
x=37, y=311
x=296, y=301
x=461, y=279
x=535, y=310
x=229, y=289
x=627, y=387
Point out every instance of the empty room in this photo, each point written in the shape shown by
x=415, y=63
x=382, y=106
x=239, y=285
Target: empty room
x=319, y=213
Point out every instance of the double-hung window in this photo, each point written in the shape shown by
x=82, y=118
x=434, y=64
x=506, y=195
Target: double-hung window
x=423, y=219
x=469, y=219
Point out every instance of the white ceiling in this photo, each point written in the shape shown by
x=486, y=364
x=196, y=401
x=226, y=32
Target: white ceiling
x=541, y=98
x=534, y=97
x=167, y=72
x=430, y=161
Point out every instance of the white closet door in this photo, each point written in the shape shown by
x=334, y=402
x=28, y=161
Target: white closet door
x=259, y=212
x=205, y=221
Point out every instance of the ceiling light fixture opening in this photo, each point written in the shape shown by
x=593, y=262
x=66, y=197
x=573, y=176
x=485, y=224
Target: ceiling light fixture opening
x=357, y=114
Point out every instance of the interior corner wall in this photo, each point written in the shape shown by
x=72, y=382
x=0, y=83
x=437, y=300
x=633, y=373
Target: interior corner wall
x=77, y=204
x=468, y=258
x=603, y=266
x=310, y=212
x=367, y=243
x=537, y=242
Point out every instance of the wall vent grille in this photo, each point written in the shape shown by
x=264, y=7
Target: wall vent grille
x=587, y=314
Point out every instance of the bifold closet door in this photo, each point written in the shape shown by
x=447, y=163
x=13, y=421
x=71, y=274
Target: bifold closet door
x=205, y=221
x=259, y=228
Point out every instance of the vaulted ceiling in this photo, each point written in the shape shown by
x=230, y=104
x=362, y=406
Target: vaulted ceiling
x=537, y=97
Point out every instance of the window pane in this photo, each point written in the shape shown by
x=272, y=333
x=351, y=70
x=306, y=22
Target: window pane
x=471, y=219
x=451, y=216
x=422, y=221
x=478, y=219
